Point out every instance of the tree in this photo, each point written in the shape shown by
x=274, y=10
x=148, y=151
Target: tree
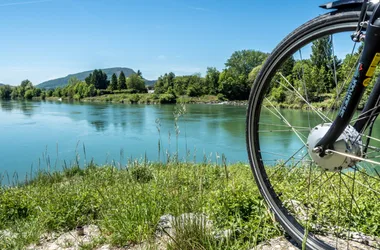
x=139, y=73
x=98, y=78
x=26, y=84
x=121, y=84
x=90, y=91
x=136, y=84
x=253, y=74
x=242, y=62
x=212, y=80
x=57, y=92
x=324, y=61
x=5, y=92
x=28, y=94
x=159, y=86
x=233, y=87
x=73, y=80
x=169, y=83
x=113, y=85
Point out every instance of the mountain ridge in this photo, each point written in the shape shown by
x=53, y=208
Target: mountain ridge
x=62, y=81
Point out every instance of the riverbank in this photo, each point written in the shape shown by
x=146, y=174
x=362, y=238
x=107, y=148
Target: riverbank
x=127, y=205
x=153, y=99
x=325, y=104
x=156, y=206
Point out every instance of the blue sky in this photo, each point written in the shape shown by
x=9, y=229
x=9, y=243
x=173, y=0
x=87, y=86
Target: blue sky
x=46, y=39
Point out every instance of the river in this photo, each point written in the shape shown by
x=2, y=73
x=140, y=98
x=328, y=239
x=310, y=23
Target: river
x=46, y=135
x=49, y=135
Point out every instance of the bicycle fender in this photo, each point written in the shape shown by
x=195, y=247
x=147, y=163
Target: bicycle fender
x=342, y=4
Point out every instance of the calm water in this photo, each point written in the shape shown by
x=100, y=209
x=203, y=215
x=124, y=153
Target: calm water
x=46, y=135
x=41, y=134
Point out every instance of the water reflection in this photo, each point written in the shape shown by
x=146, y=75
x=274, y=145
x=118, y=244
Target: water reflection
x=100, y=125
x=106, y=129
x=26, y=107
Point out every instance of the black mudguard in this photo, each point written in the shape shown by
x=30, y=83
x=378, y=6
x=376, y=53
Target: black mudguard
x=343, y=4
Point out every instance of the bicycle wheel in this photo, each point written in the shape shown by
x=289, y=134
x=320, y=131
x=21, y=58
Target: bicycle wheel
x=322, y=207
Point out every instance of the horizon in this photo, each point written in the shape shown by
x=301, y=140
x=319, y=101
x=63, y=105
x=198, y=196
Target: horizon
x=50, y=39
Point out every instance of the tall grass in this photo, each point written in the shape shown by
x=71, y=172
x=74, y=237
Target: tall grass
x=126, y=203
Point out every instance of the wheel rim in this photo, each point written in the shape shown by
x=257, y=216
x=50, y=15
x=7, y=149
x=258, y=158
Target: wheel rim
x=304, y=197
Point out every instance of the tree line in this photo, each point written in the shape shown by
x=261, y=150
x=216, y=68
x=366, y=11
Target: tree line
x=232, y=83
x=95, y=84
x=317, y=75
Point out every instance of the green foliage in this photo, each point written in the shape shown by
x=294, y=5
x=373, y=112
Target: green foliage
x=57, y=92
x=136, y=84
x=121, y=84
x=242, y=62
x=98, y=78
x=167, y=98
x=142, y=174
x=212, y=80
x=113, y=84
x=127, y=203
x=253, y=74
x=75, y=89
x=28, y=94
x=165, y=84
x=62, y=82
x=26, y=90
x=192, y=232
x=5, y=92
x=233, y=87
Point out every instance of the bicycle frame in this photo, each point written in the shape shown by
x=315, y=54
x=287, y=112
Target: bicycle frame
x=365, y=70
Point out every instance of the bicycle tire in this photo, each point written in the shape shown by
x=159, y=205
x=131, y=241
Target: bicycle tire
x=328, y=24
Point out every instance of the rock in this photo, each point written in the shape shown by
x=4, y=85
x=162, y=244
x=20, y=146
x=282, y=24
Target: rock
x=223, y=234
x=68, y=241
x=165, y=225
x=298, y=207
x=200, y=219
x=7, y=234
x=280, y=243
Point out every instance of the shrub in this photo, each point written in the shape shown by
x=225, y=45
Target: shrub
x=142, y=174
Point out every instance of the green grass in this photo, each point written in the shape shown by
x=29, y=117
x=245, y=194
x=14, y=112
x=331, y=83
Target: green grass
x=127, y=203
x=150, y=99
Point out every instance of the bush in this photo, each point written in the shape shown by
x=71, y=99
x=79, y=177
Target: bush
x=221, y=97
x=167, y=98
x=142, y=174
x=134, y=98
x=28, y=94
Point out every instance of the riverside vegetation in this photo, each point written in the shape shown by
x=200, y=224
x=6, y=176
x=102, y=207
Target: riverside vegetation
x=126, y=203
x=323, y=72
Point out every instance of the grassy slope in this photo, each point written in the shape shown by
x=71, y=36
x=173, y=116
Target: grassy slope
x=127, y=203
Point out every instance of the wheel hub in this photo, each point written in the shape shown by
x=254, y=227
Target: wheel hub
x=349, y=142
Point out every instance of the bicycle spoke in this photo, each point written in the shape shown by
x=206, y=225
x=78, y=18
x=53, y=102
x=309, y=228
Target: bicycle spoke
x=352, y=156
x=287, y=123
x=281, y=125
x=363, y=185
x=320, y=114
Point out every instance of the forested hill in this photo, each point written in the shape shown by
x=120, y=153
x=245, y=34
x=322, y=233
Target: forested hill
x=61, y=82
x=2, y=84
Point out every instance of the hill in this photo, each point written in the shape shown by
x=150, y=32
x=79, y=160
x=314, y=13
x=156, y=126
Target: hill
x=2, y=84
x=61, y=82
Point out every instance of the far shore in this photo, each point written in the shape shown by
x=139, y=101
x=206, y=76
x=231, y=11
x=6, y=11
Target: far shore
x=153, y=99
